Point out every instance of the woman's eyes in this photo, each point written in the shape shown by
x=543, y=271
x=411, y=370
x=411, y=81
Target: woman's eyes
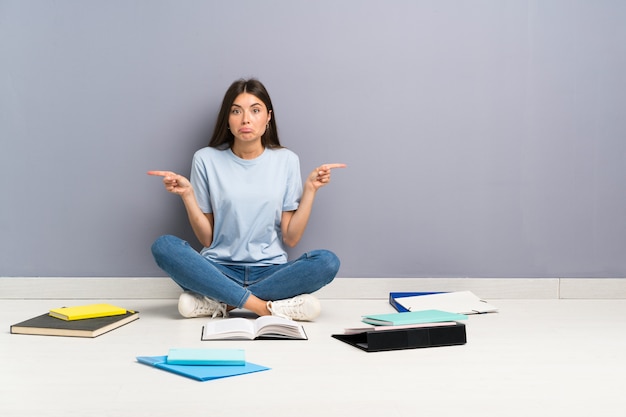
x=239, y=111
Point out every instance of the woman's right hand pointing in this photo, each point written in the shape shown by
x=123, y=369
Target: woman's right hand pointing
x=174, y=183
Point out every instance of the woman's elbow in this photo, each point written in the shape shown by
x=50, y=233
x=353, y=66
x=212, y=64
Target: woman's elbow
x=205, y=241
x=290, y=242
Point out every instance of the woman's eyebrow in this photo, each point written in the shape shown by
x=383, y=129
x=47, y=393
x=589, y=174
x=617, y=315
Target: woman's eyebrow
x=240, y=106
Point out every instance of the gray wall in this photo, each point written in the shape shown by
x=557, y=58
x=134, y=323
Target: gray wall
x=483, y=138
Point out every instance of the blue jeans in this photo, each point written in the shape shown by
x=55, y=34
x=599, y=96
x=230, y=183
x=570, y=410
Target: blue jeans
x=233, y=284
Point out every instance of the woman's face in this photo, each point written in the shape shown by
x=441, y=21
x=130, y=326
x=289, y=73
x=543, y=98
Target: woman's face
x=248, y=118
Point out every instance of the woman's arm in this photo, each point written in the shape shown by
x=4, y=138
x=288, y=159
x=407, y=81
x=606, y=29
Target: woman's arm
x=293, y=223
x=201, y=223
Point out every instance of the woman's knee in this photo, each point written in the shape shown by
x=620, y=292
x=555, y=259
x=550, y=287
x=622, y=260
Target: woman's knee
x=329, y=261
x=163, y=245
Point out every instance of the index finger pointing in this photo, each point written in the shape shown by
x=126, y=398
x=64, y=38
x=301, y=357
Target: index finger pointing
x=331, y=166
x=161, y=173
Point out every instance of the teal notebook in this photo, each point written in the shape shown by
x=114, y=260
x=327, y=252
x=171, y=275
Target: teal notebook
x=412, y=317
x=183, y=356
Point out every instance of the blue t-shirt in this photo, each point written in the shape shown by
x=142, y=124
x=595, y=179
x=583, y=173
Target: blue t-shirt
x=247, y=199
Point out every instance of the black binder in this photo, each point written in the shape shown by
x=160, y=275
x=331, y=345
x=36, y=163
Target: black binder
x=421, y=337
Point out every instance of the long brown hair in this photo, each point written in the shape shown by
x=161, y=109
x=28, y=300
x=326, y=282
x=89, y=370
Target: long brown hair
x=222, y=137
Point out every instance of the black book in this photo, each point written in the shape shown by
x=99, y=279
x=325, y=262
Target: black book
x=409, y=338
x=46, y=325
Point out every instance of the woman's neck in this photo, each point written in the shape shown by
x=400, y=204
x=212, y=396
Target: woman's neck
x=248, y=150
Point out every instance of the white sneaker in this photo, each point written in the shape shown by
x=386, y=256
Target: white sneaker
x=304, y=307
x=194, y=305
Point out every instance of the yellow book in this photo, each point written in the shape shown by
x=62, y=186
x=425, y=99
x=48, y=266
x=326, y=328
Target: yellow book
x=89, y=311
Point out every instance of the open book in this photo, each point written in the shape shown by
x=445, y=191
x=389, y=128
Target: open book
x=265, y=327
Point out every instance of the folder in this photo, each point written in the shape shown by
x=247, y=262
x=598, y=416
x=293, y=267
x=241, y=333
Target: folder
x=200, y=372
x=462, y=302
x=422, y=337
x=395, y=299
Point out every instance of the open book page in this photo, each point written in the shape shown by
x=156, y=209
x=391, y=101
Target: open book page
x=234, y=328
x=265, y=327
x=278, y=327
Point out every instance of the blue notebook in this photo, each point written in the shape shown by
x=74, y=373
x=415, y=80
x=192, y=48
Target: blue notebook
x=412, y=317
x=222, y=357
x=200, y=372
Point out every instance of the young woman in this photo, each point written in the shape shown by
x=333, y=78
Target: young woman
x=245, y=201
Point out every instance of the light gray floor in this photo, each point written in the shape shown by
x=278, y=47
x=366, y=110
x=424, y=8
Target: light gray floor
x=533, y=358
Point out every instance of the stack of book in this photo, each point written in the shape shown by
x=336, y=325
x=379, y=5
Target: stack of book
x=406, y=330
x=203, y=364
x=423, y=319
x=90, y=320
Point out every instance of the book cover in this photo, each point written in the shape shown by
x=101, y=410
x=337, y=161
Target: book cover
x=89, y=311
x=215, y=357
x=47, y=325
x=200, y=372
x=462, y=302
x=421, y=337
x=412, y=317
x=264, y=327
